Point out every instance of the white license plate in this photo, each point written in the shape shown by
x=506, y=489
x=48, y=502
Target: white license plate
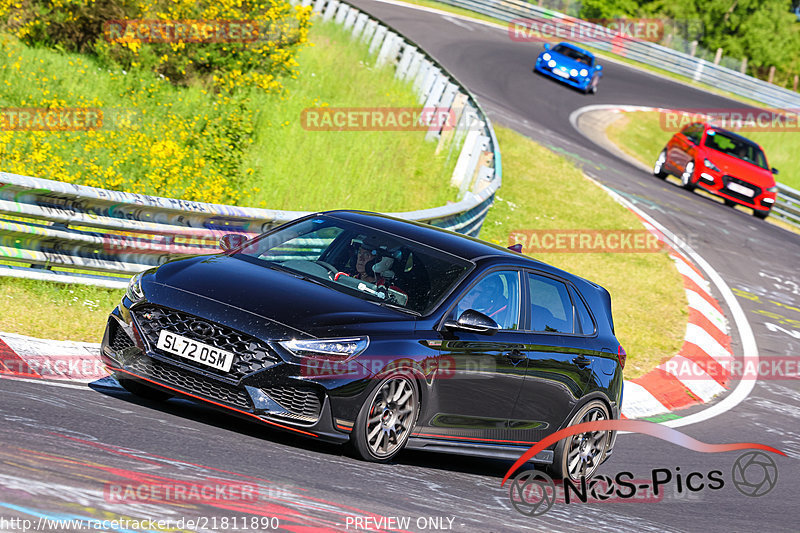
x=559, y=72
x=735, y=187
x=196, y=351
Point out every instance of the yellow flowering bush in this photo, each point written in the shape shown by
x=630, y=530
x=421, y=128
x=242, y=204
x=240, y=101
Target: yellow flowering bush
x=252, y=41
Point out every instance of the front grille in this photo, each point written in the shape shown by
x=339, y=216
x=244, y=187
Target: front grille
x=301, y=402
x=250, y=354
x=189, y=382
x=119, y=339
x=749, y=199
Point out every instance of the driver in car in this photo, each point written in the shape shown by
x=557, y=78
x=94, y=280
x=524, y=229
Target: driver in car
x=486, y=297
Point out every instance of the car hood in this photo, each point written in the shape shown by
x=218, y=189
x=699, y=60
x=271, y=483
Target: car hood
x=743, y=170
x=277, y=296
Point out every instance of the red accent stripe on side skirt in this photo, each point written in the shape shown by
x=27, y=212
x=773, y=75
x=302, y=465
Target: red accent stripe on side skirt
x=449, y=437
x=215, y=403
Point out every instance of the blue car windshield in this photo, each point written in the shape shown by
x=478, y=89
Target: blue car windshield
x=365, y=262
x=571, y=53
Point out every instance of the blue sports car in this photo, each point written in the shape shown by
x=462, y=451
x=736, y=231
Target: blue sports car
x=569, y=64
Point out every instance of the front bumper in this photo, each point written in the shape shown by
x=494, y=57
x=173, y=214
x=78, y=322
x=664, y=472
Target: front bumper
x=579, y=82
x=719, y=184
x=277, y=394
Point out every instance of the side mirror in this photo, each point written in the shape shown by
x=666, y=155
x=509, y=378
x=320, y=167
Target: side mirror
x=774, y=170
x=231, y=241
x=474, y=321
x=547, y=46
x=599, y=67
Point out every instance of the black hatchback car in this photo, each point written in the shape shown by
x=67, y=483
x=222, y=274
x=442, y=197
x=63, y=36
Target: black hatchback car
x=352, y=326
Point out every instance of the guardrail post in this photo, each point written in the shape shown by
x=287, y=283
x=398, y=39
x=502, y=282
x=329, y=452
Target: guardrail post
x=413, y=68
x=319, y=5
x=432, y=102
x=351, y=19
x=389, y=49
x=377, y=39
x=358, y=27
x=422, y=73
x=369, y=30
x=330, y=10
x=405, y=62
x=456, y=112
x=428, y=82
x=341, y=13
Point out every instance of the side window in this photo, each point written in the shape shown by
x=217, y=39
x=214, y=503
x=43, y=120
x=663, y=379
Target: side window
x=551, y=307
x=585, y=323
x=496, y=296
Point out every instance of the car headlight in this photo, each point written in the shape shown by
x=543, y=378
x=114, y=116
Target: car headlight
x=573, y=72
x=551, y=63
x=584, y=72
x=546, y=56
x=342, y=348
x=134, y=291
x=709, y=164
x=772, y=189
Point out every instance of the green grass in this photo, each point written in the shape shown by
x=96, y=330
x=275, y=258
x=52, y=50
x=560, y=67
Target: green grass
x=640, y=134
x=308, y=170
x=248, y=149
x=544, y=191
x=51, y=310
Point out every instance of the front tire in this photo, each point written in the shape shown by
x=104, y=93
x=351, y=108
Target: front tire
x=581, y=455
x=729, y=203
x=761, y=214
x=386, y=419
x=658, y=167
x=687, y=178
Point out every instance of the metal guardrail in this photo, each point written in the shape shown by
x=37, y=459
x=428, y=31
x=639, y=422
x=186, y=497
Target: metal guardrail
x=787, y=207
x=96, y=236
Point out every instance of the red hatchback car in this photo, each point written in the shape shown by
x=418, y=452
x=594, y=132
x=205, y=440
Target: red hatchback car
x=722, y=162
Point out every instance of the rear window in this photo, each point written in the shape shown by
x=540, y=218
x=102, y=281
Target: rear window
x=551, y=307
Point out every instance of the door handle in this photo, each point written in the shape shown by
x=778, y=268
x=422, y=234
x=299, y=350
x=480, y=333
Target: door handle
x=515, y=356
x=582, y=361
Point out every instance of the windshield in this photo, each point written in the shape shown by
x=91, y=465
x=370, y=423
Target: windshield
x=736, y=147
x=571, y=53
x=361, y=261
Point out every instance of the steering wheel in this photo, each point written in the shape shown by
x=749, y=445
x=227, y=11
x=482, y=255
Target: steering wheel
x=332, y=270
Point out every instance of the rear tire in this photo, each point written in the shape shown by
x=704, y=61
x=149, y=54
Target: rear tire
x=729, y=203
x=658, y=167
x=687, y=178
x=581, y=455
x=386, y=419
x=143, y=391
x=761, y=214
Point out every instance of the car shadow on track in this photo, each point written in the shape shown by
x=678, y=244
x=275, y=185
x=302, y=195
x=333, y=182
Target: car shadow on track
x=207, y=416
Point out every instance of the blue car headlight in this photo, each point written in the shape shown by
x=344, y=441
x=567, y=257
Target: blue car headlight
x=546, y=56
x=573, y=73
x=551, y=63
x=584, y=72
